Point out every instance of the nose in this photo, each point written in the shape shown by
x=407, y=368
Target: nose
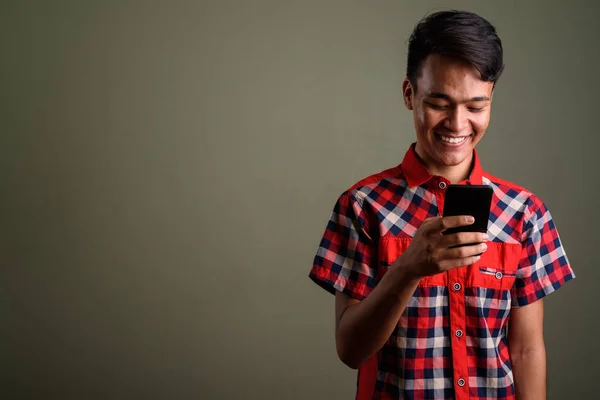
x=457, y=120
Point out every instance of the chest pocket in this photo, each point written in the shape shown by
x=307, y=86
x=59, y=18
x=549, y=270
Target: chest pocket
x=497, y=268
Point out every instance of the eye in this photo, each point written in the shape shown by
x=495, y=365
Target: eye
x=436, y=106
x=475, y=109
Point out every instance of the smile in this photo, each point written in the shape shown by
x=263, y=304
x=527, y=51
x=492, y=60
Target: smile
x=452, y=140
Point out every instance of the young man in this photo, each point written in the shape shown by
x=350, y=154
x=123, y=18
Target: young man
x=420, y=318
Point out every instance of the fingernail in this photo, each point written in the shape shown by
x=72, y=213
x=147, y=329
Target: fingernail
x=470, y=219
x=486, y=237
x=484, y=246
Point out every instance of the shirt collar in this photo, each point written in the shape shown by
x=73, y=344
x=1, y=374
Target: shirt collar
x=417, y=174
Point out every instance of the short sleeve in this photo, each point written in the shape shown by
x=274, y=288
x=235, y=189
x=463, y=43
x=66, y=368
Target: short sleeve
x=346, y=254
x=544, y=266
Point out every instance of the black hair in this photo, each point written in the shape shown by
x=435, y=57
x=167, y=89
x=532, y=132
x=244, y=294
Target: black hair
x=457, y=34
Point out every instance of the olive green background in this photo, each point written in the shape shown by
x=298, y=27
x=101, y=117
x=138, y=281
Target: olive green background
x=167, y=169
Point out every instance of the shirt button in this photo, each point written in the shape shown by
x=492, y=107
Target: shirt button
x=459, y=333
x=498, y=275
x=461, y=382
x=442, y=185
x=456, y=286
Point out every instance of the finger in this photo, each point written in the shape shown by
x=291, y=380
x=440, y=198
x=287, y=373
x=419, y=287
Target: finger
x=428, y=224
x=462, y=252
x=451, y=222
x=459, y=238
x=430, y=221
x=458, y=262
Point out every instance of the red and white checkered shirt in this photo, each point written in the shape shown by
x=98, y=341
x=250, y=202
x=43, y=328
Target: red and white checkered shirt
x=451, y=341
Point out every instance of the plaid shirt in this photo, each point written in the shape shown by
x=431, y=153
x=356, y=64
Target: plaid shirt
x=451, y=341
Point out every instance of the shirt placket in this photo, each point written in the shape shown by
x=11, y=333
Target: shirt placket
x=456, y=303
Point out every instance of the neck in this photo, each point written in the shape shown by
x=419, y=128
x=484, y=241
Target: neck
x=454, y=173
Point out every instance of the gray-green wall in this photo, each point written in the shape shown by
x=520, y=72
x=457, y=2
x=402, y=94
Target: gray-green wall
x=167, y=169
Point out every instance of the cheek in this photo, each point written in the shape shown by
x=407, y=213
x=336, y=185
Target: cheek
x=430, y=119
x=481, y=123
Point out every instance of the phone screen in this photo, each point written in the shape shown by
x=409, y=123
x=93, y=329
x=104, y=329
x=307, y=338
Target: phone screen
x=474, y=200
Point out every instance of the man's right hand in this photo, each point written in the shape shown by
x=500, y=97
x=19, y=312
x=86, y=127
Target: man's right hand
x=363, y=327
x=431, y=252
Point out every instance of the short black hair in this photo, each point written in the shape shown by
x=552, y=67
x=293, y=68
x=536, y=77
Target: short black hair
x=458, y=34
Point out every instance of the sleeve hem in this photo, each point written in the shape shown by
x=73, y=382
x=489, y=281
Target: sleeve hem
x=333, y=288
x=535, y=295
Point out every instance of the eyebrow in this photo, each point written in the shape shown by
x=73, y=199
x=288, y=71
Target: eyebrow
x=444, y=96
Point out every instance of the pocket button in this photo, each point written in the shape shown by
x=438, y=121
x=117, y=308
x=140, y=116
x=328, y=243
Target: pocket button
x=498, y=275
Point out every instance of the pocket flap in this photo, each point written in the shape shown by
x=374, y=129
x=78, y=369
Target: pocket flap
x=497, y=267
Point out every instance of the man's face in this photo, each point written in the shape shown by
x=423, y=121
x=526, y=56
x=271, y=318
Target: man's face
x=451, y=109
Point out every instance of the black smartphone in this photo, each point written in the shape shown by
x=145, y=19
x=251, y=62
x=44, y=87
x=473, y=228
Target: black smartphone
x=474, y=200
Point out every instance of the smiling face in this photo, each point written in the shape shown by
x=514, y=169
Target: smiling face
x=451, y=108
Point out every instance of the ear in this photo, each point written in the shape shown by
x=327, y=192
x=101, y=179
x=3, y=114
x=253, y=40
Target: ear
x=408, y=94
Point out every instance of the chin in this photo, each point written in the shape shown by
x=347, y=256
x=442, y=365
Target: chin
x=454, y=159
x=447, y=156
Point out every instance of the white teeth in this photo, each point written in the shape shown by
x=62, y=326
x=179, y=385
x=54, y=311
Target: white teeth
x=453, y=140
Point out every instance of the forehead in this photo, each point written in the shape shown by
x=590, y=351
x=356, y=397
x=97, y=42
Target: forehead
x=452, y=76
